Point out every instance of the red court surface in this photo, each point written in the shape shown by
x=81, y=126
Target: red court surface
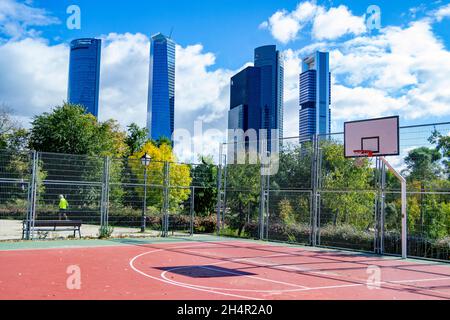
x=216, y=270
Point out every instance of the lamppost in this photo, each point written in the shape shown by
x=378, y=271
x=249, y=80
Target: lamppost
x=145, y=160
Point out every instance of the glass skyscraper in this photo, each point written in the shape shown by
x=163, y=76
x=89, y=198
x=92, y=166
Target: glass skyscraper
x=245, y=96
x=315, y=96
x=269, y=60
x=258, y=93
x=84, y=73
x=161, y=88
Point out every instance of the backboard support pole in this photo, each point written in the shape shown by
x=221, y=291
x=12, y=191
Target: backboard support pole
x=404, y=208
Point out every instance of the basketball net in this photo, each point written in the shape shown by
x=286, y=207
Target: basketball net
x=359, y=162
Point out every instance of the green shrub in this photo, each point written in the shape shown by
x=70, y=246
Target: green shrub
x=105, y=232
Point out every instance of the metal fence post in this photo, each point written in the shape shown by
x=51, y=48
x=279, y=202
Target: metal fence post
x=264, y=200
x=219, y=189
x=31, y=195
x=315, y=190
x=383, y=206
x=165, y=218
x=34, y=182
x=144, y=206
x=224, y=192
x=261, y=203
x=380, y=181
x=192, y=210
x=267, y=211
x=105, y=194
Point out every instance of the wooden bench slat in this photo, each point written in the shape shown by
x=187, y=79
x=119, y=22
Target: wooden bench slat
x=57, y=223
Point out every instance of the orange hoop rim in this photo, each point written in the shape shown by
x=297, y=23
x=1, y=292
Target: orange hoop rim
x=369, y=153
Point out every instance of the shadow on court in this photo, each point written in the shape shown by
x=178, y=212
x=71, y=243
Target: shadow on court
x=207, y=271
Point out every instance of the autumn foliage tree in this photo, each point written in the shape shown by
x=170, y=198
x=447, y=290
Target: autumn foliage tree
x=179, y=175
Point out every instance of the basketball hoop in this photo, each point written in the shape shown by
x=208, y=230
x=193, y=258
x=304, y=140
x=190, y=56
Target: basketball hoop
x=359, y=162
x=364, y=153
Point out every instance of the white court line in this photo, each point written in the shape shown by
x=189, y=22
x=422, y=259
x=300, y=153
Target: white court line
x=212, y=289
x=316, y=288
x=180, y=285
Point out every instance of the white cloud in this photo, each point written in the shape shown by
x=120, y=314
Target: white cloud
x=16, y=19
x=442, y=12
x=410, y=65
x=34, y=75
x=362, y=102
x=198, y=90
x=326, y=24
x=337, y=22
x=124, y=78
x=285, y=25
x=401, y=70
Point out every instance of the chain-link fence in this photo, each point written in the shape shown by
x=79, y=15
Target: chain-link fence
x=48, y=195
x=319, y=197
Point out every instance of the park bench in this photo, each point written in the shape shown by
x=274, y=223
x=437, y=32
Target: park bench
x=54, y=225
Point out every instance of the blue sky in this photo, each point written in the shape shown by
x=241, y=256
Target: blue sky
x=402, y=68
x=228, y=28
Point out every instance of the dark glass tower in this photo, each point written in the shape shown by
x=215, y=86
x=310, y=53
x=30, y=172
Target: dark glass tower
x=84, y=73
x=161, y=88
x=269, y=60
x=315, y=96
x=256, y=97
x=245, y=97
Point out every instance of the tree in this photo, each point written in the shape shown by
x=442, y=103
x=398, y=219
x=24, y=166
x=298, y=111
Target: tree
x=422, y=164
x=179, y=175
x=136, y=138
x=346, y=200
x=442, y=143
x=7, y=123
x=243, y=192
x=12, y=137
x=17, y=141
x=162, y=140
x=423, y=168
x=69, y=130
x=294, y=168
x=204, y=177
x=82, y=143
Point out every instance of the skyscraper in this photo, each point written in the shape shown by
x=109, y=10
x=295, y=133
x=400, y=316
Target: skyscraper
x=84, y=73
x=269, y=60
x=256, y=97
x=315, y=96
x=245, y=99
x=161, y=88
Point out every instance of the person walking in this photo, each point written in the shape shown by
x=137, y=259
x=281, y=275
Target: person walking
x=63, y=205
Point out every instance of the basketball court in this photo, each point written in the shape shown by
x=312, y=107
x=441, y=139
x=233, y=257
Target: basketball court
x=206, y=267
x=216, y=268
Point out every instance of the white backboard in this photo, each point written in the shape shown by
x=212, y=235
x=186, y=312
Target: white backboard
x=381, y=136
